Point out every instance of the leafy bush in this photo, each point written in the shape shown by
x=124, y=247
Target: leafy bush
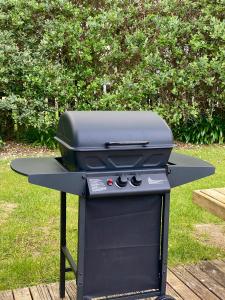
x=163, y=55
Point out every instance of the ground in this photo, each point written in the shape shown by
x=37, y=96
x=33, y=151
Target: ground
x=29, y=220
x=14, y=149
x=211, y=234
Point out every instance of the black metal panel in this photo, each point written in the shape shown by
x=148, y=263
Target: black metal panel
x=184, y=168
x=114, y=159
x=122, y=245
x=109, y=140
x=62, y=243
x=151, y=183
x=164, y=244
x=38, y=165
x=81, y=247
x=73, y=183
x=89, y=130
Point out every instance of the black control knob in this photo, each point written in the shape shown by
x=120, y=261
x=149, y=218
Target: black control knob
x=121, y=181
x=136, y=180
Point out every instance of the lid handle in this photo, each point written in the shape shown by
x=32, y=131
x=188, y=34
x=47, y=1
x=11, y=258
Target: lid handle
x=126, y=143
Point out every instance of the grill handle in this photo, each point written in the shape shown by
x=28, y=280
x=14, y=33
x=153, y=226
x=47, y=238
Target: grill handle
x=126, y=143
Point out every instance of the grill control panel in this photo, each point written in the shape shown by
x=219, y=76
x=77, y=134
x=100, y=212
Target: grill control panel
x=125, y=184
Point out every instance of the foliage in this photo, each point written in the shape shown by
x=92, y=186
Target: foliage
x=113, y=55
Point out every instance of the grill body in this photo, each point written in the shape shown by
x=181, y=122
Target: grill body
x=121, y=166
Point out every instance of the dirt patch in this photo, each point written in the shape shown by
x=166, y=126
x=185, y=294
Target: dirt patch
x=5, y=211
x=14, y=149
x=211, y=234
x=180, y=145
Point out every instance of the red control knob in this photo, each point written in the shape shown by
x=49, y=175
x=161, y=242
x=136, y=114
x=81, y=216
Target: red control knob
x=110, y=181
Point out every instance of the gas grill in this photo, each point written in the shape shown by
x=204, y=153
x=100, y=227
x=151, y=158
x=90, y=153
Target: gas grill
x=121, y=166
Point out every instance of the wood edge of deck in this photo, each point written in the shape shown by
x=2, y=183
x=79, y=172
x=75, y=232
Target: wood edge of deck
x=209, y=203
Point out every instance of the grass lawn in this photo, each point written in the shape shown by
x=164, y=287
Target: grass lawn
x=29, y=222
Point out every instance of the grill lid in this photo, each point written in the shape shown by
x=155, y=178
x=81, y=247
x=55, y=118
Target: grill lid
x=107, y=130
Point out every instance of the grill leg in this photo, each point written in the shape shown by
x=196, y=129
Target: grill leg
x=62, y=243
x=164, y=249
x=81, y=246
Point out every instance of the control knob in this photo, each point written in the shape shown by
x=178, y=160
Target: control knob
x=121, y=181
x=136, y=180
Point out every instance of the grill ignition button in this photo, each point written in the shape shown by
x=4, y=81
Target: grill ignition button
x=121, y=181
x=110, y=181
x=136, y=180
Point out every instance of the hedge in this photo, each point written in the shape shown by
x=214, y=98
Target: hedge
x=58, y=55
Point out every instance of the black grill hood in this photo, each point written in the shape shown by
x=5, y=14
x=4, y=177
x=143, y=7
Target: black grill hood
x=113, y=139
x=88, y=130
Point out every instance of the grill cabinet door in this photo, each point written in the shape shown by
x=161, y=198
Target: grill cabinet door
x=122, y=245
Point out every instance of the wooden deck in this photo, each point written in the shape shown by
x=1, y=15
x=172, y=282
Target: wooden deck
x=203, y=281
x=212, y=200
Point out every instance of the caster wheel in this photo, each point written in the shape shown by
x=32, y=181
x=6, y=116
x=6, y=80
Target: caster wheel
x=165, y=297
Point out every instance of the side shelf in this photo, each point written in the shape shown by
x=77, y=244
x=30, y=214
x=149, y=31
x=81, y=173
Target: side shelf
x=37, y=165
x=184, y=168
x=49, y=172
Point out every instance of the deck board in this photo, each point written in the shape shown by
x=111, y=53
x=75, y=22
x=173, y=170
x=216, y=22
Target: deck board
x=184, y=291
x=6, y=295
x=219, y=264
x=194, y=284
x=221, y=190
x=213, y=272
x=22, y=294
x=207, y=281
x=71, y=289
x=213, y=200
x=170, y=291
x=203, y=281
x=40, y=292
x=54, y=291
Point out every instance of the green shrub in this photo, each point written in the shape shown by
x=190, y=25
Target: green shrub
x=163, y=55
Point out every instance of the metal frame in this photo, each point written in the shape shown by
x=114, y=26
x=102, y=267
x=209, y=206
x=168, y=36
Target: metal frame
x=64, y=252
x=81, y=247
x=164, y=241
x=79, y=271
x=62, y=243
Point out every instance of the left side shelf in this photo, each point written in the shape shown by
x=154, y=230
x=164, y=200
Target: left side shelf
x=39, y=165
